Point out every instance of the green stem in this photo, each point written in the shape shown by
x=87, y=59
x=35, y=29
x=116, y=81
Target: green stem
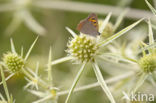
x=102, y=82
x=75, y=82
x=5, y=85
x=50, y=78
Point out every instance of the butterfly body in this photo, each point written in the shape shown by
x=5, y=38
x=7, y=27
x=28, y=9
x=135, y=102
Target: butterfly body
x=89, y=25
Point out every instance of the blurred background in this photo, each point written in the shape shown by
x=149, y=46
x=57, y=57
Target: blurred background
x=54, y=20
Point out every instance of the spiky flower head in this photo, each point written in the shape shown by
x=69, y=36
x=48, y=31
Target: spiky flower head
x=108, y=30
x=148, y=63
x=83, y=48
x=13, y=62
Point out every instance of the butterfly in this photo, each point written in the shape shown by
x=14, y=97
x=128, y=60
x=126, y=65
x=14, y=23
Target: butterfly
x=89, y=25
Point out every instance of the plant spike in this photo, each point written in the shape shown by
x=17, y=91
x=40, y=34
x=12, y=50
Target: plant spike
x=50, y=78
x=75, y=82
x=102, y=82
x=30, y=49
x=12, y=46
x=120, y=33
x=151, y=7
x=5, y=85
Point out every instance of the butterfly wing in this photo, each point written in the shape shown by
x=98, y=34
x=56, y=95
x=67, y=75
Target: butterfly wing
x=89, y=25
x=88, y=28
x=94, y=20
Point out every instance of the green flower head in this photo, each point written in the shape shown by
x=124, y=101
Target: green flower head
x=83, y=48
x=148, y=63
x=13, y=61
x=107, y=31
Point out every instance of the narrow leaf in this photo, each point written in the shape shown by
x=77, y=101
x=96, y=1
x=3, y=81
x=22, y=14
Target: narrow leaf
x=120, y=33
x=119, y=20
x=50, y=67
x=37, y=93
x=102, y=82
x=30, y=49
x=71, y=32
x=2, y=98
x=64, y=59
x=151, y=7
x=105, y=22
x=75, y=82
x=150, y=33
x=5, y=85
x=13, y=50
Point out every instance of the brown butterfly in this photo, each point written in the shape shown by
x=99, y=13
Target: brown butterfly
x=89, y=25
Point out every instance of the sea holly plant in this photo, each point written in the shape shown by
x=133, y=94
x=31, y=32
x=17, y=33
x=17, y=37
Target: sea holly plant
x=144, y=62
x=15, y=63
x=49, y=94
x=147, y=62
x=83, y=49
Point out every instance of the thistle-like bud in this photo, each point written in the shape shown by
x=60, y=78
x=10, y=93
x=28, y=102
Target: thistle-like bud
x=148, y=63
x=13, y=62
x=108, y=31
x=83, y=48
